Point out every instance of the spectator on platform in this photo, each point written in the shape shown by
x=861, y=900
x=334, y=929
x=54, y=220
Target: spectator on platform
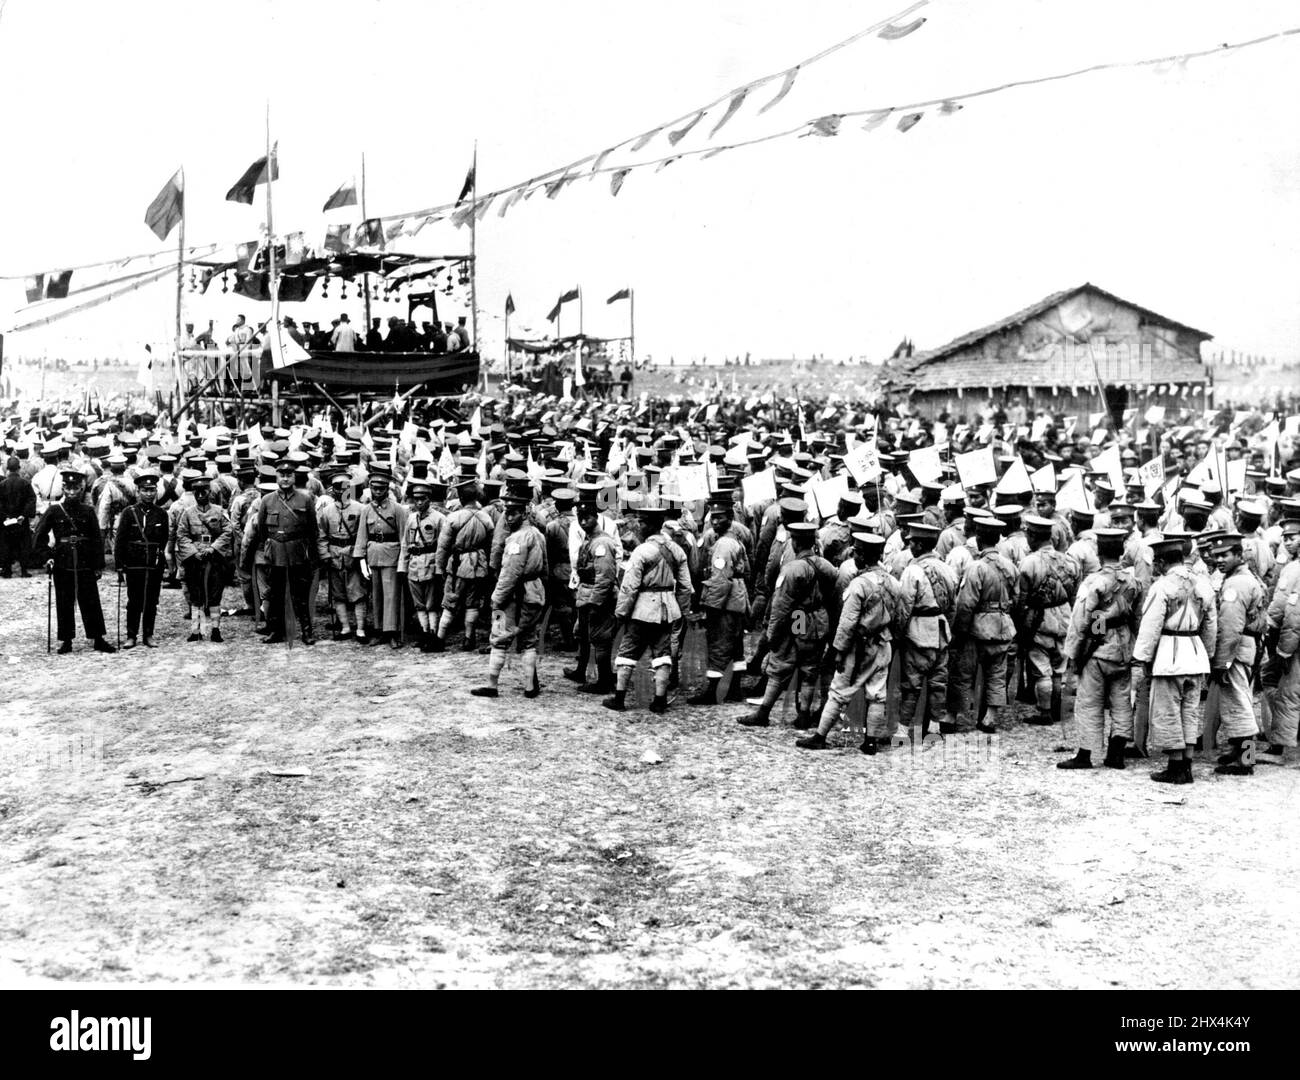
x=344, y=337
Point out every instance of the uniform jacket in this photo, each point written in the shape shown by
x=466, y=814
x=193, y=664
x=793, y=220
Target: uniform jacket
x=803, y=600
x=597, y=571
x=141, y=540
x=953, y=536
x=1181, y=602
x=1048, y=580
x=836, y=541
x=1284, y=610
x=927, y=592
x=1015, y=546
x=523, y=569
x=379, y=533
x=286, y=528
x=78, y=542
x=869, y=610
x=464, y=542
x=724, y=566
x=655, y=582
x=419, y=555
x=1102, y=619
x=986, y=598
x=1084, y=553
x=204, y=533
x=1242, y=611
x=17, y=498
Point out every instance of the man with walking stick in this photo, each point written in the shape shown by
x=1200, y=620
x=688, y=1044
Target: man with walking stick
x=70, y=527
x=139, y=553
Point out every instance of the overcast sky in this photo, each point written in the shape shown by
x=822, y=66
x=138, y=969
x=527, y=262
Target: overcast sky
x=1173, y=188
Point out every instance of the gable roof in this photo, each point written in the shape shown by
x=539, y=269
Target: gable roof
x=1045, y=304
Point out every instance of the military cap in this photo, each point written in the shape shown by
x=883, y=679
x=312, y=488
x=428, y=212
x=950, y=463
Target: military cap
x=1191, y=502
x=1034, y=523
x=71, y=473
x=1148, y=507
x=907, y=502
x=340, y=476
x=564, y=496
x=147, y=476
x=265, y=487
x=589, y=493
x=284, y=465
x=805, y=529
x=1168, y=548
x=1290, y=526
x=653, y=516
x=1251, y=510
x=723, y=504
x=1226, y=542
x=869, y=540
x=792, y=507
x=418, y=487
x=1276, y=485
x=988, y=524
x=954, y=493
x=1113, y=535
x=1009, y=510
x=380, y=472
x=923, y=529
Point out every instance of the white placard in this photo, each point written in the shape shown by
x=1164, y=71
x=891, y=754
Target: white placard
x=759, y=488
x=976, y=468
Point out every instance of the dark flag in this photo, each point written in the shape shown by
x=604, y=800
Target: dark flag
x=370, y=233
x=345, y=196
x=510, y=304
x=622, y=294
x=35, y=286
x=468, y=187
x=164, y=213
x=572, y=294
x=554, y=313
x=255, y=174
x=56, y=288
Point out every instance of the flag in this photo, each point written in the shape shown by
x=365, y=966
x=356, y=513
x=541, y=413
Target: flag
x=510, y=304
x=572, y=294
x=56, y=286
x=622, y=294
x=616, y=181
x=164, y=213
x=370, y=233
x=145, y=374
x=255, y=174
x=893, y=31
x=467, y=187
x=35, y=286
x=285, y=351
x=346, y=195
x=785, y=89
x=906, y=123
x=337, y=238
x=737, y=99
x=1152, y=475
x=295, y=249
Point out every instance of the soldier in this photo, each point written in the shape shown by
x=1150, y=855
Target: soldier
x=863, y=647
x=1284, y=634
x=518, y=600
x=798, y=624
x=378, y=546
x=927, y=590
x=76, y=563
x=140, y=558
x=1175, y=638
x=338, y=521
x=419, y=559
x=1243, y=617
x=656, y=583
x=836, y=536
x=253, y=559
x=1062, y=534
x=953, y=534
x=1083, y=549
x=724, y=568
x=286, y=529
x=116, y=492
x=559, y=596
x=1257, y=553
x=463, y=551
x=17, y=509
x=597, y=592
x=1046, y=590
x=1099, y=647
x=205, y=543
x=982, y=614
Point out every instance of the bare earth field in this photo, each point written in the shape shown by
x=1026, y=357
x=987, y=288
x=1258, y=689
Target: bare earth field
x=433, y=839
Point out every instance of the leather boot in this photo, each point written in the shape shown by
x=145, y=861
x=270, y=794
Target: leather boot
x=1115, y=752
x=1081, y=760
x=617, y=701
x=1176, y=772
x=761, y=717
x=736, y=691
x=707, y=696
x=815, y=741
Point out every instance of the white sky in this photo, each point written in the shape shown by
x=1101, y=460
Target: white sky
x=1175, y=190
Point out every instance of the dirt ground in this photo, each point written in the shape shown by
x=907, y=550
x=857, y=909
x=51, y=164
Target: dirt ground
x=420, y=837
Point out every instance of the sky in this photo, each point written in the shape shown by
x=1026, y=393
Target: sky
x=1173, y=187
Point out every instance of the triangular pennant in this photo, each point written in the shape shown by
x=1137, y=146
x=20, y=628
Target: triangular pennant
x=785, y=89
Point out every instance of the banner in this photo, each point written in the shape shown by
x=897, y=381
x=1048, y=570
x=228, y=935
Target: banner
x=759, y=489
x=976, y=468
x=926, y=464
x=863, y=461
x=1152, y=475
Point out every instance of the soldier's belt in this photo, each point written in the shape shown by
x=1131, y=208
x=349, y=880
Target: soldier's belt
x=587, y=577
x=1180, y=633
x=658, y=588
x=340, y=543
x=381, y=538
x=925, y=612
x=283, y=536
x=1116, y=621
x=993, y=609
x=424, y=549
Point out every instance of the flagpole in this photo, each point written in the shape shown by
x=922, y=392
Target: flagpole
x=473, y=251
x=507, y=347
x=580, y=323
x=272, y=284
x=180, y=285
x=631, y=319
x=365, y=278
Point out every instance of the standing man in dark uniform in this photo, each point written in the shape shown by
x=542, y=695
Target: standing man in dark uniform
x=78, y=559
x=286, y=526
x=17, y=508
x=140, y=555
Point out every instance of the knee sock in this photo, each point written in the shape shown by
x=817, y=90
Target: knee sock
x=444, y=624
x=530, y=668
x=341, y=613
x=495, y=663
x=662, y=674
x=830, y=716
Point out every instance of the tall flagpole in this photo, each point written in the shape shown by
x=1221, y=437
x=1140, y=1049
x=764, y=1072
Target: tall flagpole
x=631, y=321
x=473, y=252
x=365, y=278
x=508, y=379
x=579, y=311
x=273, y=285
x=180, y=287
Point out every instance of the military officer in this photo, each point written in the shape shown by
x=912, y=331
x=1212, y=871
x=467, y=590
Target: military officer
x=286, y=528
x=463, y=551
x=597, y=593
x=205, y=544
x=927, y=590
x=70, y=526
x=1242, y=619
x=982, y=616
x=1046, y=590
x=419, y=557
x=656, y=584
x=1284, y=633
x=1099, y=647
x=559, y=595
x=724, y=568
x=518, y=600
x=798, y=625
x=863, y=644
x=1175, y=639
x=140, y=558
x=378, y=546
x=338, y=521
